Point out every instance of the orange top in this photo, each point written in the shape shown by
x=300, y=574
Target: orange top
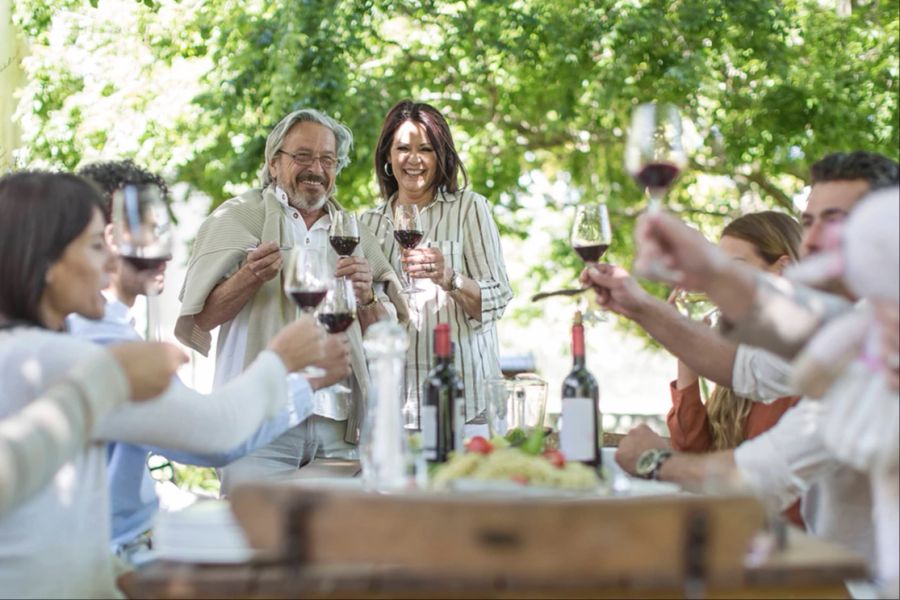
x=690, y=432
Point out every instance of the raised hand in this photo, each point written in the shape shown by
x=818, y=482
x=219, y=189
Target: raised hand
x=265, y=261
x=335, y=360
x=300, y=343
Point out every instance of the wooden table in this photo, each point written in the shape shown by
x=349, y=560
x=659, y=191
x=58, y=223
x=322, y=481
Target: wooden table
x=648, y=560
x=807, y=568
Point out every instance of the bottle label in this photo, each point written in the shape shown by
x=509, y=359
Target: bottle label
x=459, y=423
x=577, y=438
x=429, y=419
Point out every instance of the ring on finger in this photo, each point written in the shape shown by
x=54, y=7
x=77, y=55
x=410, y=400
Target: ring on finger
x=429, y=267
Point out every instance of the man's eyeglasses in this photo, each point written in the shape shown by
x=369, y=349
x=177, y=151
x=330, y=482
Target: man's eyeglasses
x=306, y=159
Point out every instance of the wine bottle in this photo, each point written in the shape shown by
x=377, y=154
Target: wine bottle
x=441, y=415
x=579, y=430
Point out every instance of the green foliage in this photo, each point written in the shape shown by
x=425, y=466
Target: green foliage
x=527, y=85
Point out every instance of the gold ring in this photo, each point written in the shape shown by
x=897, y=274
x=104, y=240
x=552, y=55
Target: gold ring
x=430, y=267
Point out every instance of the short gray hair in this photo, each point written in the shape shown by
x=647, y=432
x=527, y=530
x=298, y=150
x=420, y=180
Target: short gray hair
x=342, y=135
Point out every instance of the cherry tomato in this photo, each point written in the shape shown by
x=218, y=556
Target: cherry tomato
x=556, y=458
x=480, y=445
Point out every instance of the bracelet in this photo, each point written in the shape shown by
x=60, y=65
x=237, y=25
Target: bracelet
x=371, y=302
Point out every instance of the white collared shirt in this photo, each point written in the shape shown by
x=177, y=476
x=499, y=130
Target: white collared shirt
x=326, y=402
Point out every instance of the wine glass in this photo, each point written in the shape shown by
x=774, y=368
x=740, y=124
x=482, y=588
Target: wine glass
x=654, y=156
x=142, y=232
x=337, y=313
x=408, y=232
x=591, y=237
x=344, y=232
x=306, y=280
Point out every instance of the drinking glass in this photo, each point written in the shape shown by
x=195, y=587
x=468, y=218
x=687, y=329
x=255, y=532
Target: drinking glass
x=408, y=232
x=344, y=232
x=142, y=231
x=517, y=403
x=337, y=313
x=654, y=156
x=306, y=280
x=591, y=237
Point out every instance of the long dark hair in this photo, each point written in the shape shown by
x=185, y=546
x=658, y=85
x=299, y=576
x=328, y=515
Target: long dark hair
x=449, y=166
x=40, y=214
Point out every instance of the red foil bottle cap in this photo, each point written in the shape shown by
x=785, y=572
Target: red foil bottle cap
x=442, y=339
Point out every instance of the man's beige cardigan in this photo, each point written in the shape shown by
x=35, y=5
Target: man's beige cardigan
x=220, y=249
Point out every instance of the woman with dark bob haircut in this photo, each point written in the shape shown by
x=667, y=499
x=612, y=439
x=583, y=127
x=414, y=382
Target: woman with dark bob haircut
x=459, y=262
x=54, y=261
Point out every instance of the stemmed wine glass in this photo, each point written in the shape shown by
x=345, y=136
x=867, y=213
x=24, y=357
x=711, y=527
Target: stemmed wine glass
x=591, y=237
x=142, y=232
x=337, y=312
x=344, y=232
x=408, y=232
x=306, y=280
x=654, y=156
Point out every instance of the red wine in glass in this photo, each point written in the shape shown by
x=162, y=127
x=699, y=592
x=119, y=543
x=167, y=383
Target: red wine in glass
x=141, y=263
x=591, y=253
x=344, y=245
x=308, y=300
x=408, y=238
x=657, y=175
x=337, y=322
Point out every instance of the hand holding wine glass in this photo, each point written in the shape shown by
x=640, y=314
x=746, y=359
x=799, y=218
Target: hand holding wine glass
x=408, y=232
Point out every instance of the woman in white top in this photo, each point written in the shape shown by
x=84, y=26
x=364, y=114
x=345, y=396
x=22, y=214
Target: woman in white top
x=459, y=262
x=54, y=261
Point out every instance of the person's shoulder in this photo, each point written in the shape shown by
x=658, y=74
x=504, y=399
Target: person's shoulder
x=251, y=200
x=51, y=353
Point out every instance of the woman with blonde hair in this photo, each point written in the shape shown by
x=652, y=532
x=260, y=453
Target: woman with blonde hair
x=769, y=241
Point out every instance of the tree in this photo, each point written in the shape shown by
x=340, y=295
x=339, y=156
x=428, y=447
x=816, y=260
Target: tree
x=528, y=86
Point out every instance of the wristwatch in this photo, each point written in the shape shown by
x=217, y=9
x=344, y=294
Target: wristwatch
x=456, y=280
x=650, y=461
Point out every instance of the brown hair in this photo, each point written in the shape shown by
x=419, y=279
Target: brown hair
x=449, y=166
x=773, y=235
x=40, y=214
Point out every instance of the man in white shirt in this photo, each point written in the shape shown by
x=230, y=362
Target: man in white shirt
x=235, y=282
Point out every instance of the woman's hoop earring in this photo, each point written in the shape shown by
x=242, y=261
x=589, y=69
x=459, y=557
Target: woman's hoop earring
x=387, y=170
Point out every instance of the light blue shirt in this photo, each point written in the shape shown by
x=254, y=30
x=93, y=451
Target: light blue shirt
x=132, y=494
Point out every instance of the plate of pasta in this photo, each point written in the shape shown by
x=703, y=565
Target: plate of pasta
x=497, y=466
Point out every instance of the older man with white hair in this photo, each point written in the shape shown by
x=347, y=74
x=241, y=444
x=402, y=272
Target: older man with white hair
x=235, y=281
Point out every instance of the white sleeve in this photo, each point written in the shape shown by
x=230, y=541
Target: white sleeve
x=784, y=461
x=760, y=375
x=182, y=419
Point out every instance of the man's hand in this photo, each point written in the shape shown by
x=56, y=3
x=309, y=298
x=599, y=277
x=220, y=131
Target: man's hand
x=335, y=360
x=616, y=289
x=358, y=270
x=149, y=366
x=631, y=446
x=300, y=343
x=681, y=250
x=265, y=261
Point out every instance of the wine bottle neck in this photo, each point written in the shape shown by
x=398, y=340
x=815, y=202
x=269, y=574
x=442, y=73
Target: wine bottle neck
x=578, y=345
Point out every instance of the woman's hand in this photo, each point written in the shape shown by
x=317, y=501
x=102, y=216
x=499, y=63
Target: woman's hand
x=427, y=263
x=149, y=366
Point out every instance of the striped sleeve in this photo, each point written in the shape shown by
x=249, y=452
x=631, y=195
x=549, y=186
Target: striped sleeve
x=483, y=259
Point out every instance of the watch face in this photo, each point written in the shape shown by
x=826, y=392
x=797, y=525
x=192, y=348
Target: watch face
x=646, y=461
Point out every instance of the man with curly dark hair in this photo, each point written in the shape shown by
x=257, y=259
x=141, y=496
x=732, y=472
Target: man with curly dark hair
x=113, y=174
